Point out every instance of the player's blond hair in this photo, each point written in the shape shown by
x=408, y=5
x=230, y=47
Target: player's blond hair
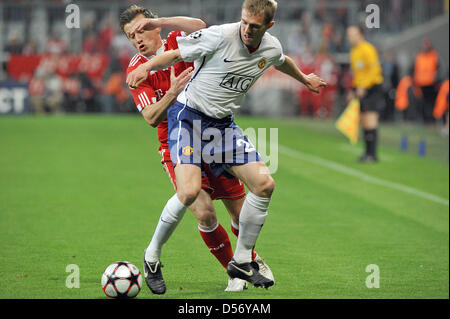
x=269, y=7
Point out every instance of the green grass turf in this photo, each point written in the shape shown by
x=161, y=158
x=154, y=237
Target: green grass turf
x=88, y=190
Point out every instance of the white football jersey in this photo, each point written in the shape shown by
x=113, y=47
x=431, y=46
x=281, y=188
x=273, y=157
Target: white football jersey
x=224, y=68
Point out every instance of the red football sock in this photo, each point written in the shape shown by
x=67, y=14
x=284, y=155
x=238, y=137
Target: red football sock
x=219, y=244
x=236, y=232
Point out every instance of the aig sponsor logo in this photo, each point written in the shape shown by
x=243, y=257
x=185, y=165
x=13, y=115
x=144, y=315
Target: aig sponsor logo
x=237, y=82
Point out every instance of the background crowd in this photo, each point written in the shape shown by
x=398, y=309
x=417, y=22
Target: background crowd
x=83, y=70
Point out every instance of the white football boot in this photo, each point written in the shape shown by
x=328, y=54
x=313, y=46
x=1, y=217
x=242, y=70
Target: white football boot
x=236, y=284
x=263, y=268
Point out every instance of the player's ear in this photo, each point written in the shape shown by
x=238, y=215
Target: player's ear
x=270, y=24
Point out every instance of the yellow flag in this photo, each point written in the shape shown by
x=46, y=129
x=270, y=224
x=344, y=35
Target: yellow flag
x=348, y=122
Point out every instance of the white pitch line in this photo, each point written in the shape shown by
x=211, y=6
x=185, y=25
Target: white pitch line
x=367, y=178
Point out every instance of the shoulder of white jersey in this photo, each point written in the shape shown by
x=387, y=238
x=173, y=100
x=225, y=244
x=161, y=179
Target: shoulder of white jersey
x=273, y=41
x=229, y=29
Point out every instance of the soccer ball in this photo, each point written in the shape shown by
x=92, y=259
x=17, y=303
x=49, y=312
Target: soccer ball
x=121, y=279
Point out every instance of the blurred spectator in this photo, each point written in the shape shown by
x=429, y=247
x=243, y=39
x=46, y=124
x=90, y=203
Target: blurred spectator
x=407, y=96
x=72, y=94
x=426, y=77
x=396, y=16
x=106, y=35
x=391, y=78
x=312, y=104
x=31, y=48
x=53, y=93
x=326, y=67
x=402, y=96
x=36, y=89
x=298, y=41
x=390, y=70
x=441, y=106
x=55, y=44
x=90, y=43
x=306, y=100
x=14, y=45
x=88, y=93
x=114, y=93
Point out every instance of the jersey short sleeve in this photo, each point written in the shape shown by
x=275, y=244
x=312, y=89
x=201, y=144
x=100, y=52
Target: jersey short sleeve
x=143, y=96
x=280, y=58
x=199, y=43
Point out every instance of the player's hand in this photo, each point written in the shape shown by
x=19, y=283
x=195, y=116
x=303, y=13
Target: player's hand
x=137, y=76
x=145, y=24
x=314, y=83
x=178, y=83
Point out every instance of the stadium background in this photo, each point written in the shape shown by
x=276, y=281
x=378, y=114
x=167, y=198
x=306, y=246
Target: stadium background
x=49, y=160
x=81, y=69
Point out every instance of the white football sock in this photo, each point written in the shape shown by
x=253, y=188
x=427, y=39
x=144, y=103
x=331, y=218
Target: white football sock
x=251, y=219
x=171, y=216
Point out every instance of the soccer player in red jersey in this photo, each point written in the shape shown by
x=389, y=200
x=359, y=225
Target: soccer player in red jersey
x=153, y=97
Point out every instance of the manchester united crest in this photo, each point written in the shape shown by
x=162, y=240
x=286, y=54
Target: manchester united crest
x=188, y=150
x=262, y=63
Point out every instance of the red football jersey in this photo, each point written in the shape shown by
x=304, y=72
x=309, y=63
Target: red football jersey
x=157, y=84
x=151, y=91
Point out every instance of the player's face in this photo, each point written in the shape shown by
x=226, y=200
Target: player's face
x=253, y=28
x=146, y=42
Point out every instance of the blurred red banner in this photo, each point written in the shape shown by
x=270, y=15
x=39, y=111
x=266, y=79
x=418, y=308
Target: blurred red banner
x=23, y=67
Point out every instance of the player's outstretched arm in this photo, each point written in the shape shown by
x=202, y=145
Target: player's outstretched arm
x=311, y=81
x=161, y=61
x=156, y=113
x=186, y=24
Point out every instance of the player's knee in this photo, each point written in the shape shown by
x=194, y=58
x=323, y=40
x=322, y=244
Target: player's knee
x=265, y=188
x=188, y=195
x=205, y=213
x=206, y=218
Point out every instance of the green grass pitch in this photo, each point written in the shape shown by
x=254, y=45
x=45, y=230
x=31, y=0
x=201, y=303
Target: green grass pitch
x=88, y=190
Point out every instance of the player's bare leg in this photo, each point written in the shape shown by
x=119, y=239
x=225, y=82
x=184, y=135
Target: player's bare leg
x=260, y=183
x=234, y=207
x=189, y=184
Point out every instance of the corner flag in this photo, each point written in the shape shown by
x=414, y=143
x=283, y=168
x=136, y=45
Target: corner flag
x=348, y=122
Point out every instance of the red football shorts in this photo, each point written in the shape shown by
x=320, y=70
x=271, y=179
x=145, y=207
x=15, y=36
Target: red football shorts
x=217, y=187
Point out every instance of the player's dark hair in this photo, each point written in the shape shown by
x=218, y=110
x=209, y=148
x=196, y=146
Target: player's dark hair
x=131, y=12
x=269, y=7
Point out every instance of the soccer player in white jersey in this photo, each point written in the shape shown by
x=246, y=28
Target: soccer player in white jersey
x=228, y=60
x=153, y=97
